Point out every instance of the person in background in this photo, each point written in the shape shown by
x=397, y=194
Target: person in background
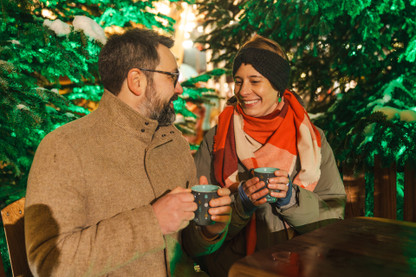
x=266, y=125
x=108, y=194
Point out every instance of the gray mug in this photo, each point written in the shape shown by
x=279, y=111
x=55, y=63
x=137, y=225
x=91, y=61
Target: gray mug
x=202, y=195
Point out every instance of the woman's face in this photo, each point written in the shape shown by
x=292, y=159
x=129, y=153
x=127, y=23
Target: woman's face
x=254, y=92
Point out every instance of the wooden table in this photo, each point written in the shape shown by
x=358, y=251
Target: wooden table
x=361, y=246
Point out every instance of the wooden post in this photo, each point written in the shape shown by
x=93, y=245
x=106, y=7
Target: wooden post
x=384, y=190
x=409, y=209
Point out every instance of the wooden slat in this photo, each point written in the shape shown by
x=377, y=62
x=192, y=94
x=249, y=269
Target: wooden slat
x=2, y=272
x=354, y=183
x=12, y=217
x=384, y=190
x=409, y=208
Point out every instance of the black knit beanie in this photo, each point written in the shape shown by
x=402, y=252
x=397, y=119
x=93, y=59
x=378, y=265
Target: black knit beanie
x=269, y=64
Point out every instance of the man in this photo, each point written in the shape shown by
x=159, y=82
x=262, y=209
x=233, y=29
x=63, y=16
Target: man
x=107, y=194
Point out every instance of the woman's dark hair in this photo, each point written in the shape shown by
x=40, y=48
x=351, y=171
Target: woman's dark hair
x=264, y=43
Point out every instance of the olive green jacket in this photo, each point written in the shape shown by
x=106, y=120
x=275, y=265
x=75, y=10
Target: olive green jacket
x=308, y=209
x=88, y=205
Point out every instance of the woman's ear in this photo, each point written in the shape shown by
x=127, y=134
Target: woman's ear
x=136, y=81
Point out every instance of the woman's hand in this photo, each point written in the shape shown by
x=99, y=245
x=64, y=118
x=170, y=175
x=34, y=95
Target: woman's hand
x=256, y=192
x=280, y=182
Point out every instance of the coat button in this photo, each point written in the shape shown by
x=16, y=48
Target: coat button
x=146, y=123
x=164, y=135
x=142, y=130
x=172, y=132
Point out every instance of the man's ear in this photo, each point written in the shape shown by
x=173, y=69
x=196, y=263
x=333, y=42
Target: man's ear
x=136, y=81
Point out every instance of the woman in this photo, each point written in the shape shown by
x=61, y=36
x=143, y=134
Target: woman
x=267, y=126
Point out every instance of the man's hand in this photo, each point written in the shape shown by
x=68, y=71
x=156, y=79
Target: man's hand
x=253, y=190
x=174, y=210
x=220, y=211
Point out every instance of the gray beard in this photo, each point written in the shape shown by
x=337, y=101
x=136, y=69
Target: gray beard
x=164, y=114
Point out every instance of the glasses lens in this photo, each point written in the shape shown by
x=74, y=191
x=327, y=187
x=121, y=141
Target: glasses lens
x=175, y=79
x=174, y=75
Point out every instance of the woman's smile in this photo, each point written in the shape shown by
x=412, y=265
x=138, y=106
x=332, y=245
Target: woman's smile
x=250, y=103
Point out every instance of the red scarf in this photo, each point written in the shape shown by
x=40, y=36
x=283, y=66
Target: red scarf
x=275, y=140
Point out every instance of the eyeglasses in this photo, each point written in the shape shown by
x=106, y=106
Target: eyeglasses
x=173, y=75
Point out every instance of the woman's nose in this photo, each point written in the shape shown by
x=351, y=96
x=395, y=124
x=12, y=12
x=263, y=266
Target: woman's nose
x=242, y=90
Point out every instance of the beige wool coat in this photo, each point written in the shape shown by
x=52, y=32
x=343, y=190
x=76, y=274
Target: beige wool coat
x=88, y=204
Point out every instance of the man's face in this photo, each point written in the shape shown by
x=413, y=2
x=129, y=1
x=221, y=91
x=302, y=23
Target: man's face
x=160, y=91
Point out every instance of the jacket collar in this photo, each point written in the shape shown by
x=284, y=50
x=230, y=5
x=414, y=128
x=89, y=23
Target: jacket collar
x=125, y=117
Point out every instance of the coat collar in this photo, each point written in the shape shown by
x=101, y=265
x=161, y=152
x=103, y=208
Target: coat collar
x=126, y=117
x=131, y=121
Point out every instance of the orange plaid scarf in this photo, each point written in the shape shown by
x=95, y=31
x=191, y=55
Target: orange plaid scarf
x=275, y=140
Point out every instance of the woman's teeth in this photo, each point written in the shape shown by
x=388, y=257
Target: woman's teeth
x=249, y=102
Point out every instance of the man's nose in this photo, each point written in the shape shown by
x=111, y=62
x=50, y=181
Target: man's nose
x=178, y=89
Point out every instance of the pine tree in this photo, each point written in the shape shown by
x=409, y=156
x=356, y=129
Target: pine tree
x=353, y=62
x=196, y=94
x=49, y=75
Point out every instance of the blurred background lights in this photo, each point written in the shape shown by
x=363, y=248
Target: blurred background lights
x=187, y=43
x=48, y=14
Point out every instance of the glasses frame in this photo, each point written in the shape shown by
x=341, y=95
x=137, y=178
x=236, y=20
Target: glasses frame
x=173, y=75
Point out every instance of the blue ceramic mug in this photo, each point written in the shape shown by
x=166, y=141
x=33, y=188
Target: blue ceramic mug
x=264, y=173
x=202, y=195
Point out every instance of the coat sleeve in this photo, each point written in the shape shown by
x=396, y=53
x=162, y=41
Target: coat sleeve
x=204, y=165
x=58, y=241
x=204, y=157
x=325, y=204
x=196, y=244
